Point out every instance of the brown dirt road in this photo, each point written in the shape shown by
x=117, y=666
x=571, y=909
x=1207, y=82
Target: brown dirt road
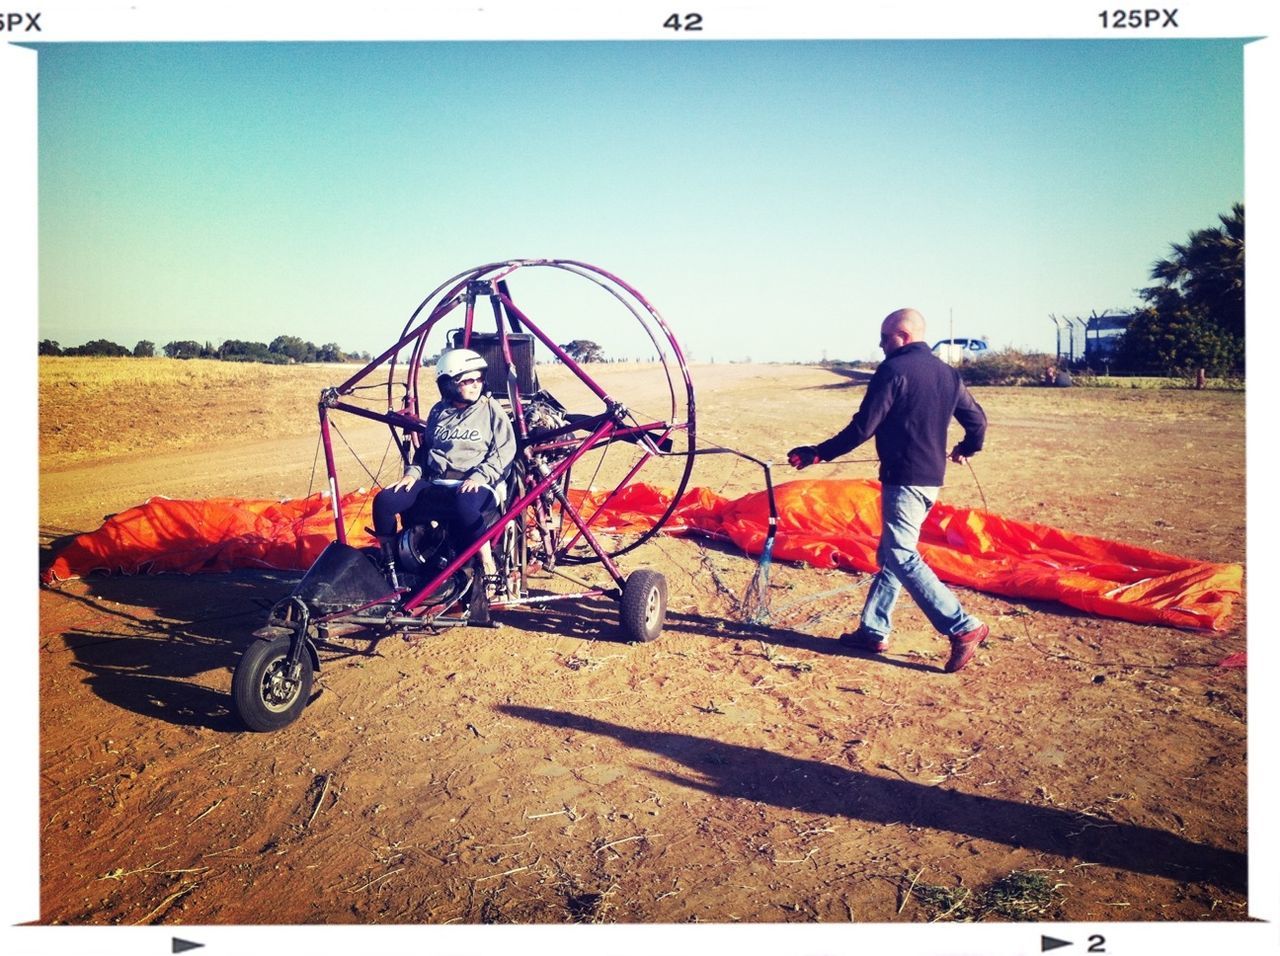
x=547, y=772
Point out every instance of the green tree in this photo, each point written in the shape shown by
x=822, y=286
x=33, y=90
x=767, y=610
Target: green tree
x=183, y=350
x=1195, y=316
x=144, y=349
x=584, y=350
x=330, y=352
x=293, y=347
x=1205, y=276
x=50, y=347
x=236, y=350
x=1178, y=342
x=98, y=347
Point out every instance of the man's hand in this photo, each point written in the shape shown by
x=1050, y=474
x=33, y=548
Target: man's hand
x=404, y=484
x=958, y=456
x=803, y=456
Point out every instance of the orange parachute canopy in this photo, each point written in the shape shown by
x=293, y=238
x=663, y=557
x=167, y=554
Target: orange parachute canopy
x=215, y=534
x=832, y=524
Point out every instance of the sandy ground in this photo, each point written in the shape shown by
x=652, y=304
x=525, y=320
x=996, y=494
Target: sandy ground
x=1081, y=769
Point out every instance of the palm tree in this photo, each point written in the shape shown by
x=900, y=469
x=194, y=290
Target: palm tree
x=1206, y=275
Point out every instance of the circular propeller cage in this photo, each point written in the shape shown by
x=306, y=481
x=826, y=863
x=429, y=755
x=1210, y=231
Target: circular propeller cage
x=615, y=429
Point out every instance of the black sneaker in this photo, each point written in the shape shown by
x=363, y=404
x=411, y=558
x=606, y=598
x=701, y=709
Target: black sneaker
x=861, y=640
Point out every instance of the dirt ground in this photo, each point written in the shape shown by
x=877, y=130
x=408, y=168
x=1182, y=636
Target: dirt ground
x=1082, y=769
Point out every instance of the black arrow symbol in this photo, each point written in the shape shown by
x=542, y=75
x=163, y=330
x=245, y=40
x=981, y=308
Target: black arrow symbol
x=1048, y=942
x=182, y=945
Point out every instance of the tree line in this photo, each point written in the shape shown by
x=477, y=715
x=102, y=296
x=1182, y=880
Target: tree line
x=282, y=350
x=1193, y=319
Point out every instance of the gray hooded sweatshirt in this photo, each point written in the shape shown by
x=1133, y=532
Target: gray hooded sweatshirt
x=477, y=440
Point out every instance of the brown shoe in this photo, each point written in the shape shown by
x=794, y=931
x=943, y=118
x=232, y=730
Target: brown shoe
x=861, y=640
x=963, y=646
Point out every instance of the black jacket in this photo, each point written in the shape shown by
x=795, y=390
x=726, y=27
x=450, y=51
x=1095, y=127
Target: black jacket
x=908, y=406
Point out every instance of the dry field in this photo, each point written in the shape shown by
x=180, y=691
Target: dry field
x=1082, y=769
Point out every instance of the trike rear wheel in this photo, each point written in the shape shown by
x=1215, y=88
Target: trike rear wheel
x=644, y=605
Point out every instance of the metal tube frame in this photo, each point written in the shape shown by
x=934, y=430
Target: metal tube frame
x=611, y=425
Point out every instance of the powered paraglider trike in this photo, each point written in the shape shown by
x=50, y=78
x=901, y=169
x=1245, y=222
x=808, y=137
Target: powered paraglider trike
x=577, y=453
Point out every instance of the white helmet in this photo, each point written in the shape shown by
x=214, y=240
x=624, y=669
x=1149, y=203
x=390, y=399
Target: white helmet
x=455, y=362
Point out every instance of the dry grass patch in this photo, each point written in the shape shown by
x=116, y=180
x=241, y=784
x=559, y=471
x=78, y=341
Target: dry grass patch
x=1018, y=897
x=98, y=408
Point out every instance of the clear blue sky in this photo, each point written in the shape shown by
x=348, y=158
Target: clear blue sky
x=774, y=199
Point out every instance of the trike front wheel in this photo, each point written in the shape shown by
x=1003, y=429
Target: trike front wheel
x=266, y=696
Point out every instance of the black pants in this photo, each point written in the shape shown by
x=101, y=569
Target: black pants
x=466, y=513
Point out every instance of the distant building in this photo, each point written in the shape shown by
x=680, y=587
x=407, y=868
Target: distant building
x=1102, y=337
x=1092, y=341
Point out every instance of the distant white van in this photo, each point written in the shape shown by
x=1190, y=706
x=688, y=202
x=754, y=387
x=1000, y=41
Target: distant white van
x=952, y=351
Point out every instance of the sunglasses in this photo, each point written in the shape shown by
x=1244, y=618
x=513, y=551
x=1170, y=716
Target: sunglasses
x=470, y=380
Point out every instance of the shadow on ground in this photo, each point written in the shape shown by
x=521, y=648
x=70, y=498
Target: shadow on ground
x=810, y=786
x=158, y=633
x=853, y=377
x=155, y=634
x=596, y=619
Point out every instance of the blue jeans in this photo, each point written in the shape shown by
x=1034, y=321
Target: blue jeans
x=468, y=514
x=904, y=508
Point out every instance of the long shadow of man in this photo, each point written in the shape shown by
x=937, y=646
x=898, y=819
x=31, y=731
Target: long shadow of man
x=814, y=787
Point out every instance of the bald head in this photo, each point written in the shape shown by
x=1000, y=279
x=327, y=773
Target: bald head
x=901, y=328
x=907, y=321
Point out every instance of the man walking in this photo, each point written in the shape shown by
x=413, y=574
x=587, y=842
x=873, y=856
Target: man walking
x=909, y=404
